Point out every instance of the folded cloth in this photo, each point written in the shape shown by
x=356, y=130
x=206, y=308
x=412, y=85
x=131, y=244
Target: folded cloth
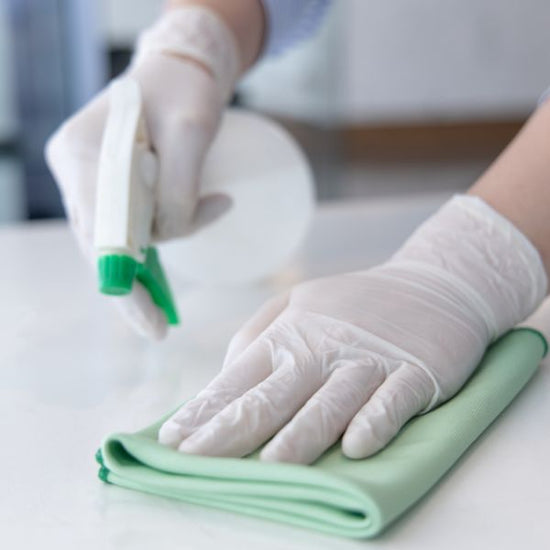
x=353, y=498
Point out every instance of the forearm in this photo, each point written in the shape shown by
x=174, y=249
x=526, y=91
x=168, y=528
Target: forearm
x=518, y=183
x=245, y=18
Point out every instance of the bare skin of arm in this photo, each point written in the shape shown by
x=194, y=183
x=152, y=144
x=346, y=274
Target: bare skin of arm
x=518, y=183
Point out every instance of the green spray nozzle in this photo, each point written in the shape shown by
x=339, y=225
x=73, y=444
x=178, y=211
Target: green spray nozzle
x=117, y=273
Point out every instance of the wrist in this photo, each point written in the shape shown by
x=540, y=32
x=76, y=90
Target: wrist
x=195, y=34
x=245, y=18
x=484, y=256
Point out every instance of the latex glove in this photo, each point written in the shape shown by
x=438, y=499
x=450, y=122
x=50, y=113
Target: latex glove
x=186, y=65
x=362, y=353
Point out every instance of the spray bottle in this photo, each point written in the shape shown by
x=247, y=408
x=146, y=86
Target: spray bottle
x=253, y=160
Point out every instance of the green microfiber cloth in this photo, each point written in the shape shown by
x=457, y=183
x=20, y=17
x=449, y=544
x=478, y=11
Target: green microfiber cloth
x=353, y=498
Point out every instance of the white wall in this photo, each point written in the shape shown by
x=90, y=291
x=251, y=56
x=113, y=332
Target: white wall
x=451, y=59
x=414, y=59
x=123, y=19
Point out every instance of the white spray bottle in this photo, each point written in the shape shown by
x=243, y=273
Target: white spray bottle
x=253, y=160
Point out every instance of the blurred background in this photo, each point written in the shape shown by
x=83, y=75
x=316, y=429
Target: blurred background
x=389, y=98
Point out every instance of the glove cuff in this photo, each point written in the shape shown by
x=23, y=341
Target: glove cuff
x=199, y=33
x=485, y=257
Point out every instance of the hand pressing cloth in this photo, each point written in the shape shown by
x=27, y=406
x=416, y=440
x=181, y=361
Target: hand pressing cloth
x=337, y=495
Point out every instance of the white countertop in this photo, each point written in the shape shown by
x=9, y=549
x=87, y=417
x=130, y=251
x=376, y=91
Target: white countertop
x=70, y=373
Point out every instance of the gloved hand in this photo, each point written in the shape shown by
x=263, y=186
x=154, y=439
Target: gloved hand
x=362, y=353
x=186, y=65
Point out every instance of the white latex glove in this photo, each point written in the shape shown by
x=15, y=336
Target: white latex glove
x=362, y=353
x=186, y=65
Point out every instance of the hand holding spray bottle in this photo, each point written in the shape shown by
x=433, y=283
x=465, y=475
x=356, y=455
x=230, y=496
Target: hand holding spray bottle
x=252, y=160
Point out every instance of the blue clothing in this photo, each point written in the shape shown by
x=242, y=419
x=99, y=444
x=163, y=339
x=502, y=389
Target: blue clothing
x=289, y=21
x=544, y=97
